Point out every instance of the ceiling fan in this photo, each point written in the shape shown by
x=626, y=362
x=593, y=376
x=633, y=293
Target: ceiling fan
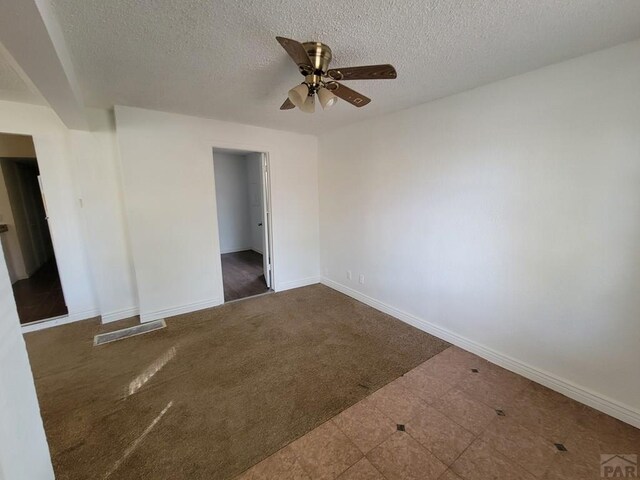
x=313, y=60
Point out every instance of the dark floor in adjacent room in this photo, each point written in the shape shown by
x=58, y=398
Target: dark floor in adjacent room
x=243, y=275
x=40, y=296
x=216, y=391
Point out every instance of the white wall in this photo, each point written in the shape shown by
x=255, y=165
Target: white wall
x=507, y=217
x=24, y=453
x=97, y=170
x=82, y=184
x=232, y=201
x=55, y=161
x=256, y=201
x=168, y=181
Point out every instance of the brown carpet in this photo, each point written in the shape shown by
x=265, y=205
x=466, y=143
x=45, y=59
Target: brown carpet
x=217, y=390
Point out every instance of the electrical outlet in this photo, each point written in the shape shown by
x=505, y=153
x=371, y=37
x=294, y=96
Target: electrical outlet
x=361, y=279
x=348, y=274
x=326, y=272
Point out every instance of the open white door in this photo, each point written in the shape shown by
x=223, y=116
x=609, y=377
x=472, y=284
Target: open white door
x=266, y=219
x=44, y=200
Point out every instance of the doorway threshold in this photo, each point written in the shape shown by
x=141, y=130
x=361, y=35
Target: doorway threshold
x=48, y=323
x=269, y=292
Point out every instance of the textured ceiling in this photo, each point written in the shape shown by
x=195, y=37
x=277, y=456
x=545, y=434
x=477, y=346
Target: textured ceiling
x=220, y=59
x=12, y=86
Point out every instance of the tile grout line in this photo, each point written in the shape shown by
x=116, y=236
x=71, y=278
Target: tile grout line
x=477, y=437
x=364, y=455
x=424, y=402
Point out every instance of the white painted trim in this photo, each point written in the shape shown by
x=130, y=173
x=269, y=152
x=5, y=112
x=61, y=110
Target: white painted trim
x=61, y=320
x=120, y=314
x=267, y=220
x=85, y=314
x=303, y=282
x=234, y=250
x=564, y=386
x=172, y=311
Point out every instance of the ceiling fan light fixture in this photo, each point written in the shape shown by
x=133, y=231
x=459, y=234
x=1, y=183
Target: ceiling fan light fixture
x=327, y=98
x=313, y=59
x=309, y=104
x=298, y=95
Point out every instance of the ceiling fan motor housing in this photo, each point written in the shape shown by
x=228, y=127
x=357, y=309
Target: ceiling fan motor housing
x=320, y=55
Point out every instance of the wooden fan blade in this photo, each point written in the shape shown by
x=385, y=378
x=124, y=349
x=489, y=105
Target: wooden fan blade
x=297, y=52
x=287, y=105
x=367, y=72
x=348, y=95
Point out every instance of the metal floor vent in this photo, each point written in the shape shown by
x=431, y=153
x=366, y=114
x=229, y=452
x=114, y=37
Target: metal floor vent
x=128, y=332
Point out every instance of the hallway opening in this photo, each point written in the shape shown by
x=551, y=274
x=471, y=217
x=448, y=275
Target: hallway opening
x=241, y=185
x=26, y=238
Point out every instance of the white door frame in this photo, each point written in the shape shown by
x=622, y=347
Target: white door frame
x=265, y=179
x=266, y=152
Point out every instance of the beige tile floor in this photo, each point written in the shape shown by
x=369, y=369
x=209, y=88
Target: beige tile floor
x=456, y=416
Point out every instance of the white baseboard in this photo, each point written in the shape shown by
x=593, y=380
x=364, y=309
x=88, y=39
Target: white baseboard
x=120, y=314
x=303, y=282
x=234, y=250
x=583, y=395
x=61, y=320
x=170, y=312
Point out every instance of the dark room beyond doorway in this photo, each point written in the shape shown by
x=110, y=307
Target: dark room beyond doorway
x=26, y=239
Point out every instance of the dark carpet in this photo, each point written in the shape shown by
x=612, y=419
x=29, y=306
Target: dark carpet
x=217, y=390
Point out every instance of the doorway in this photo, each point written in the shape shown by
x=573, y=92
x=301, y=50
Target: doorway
x=26, y=238
x=244, y=222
